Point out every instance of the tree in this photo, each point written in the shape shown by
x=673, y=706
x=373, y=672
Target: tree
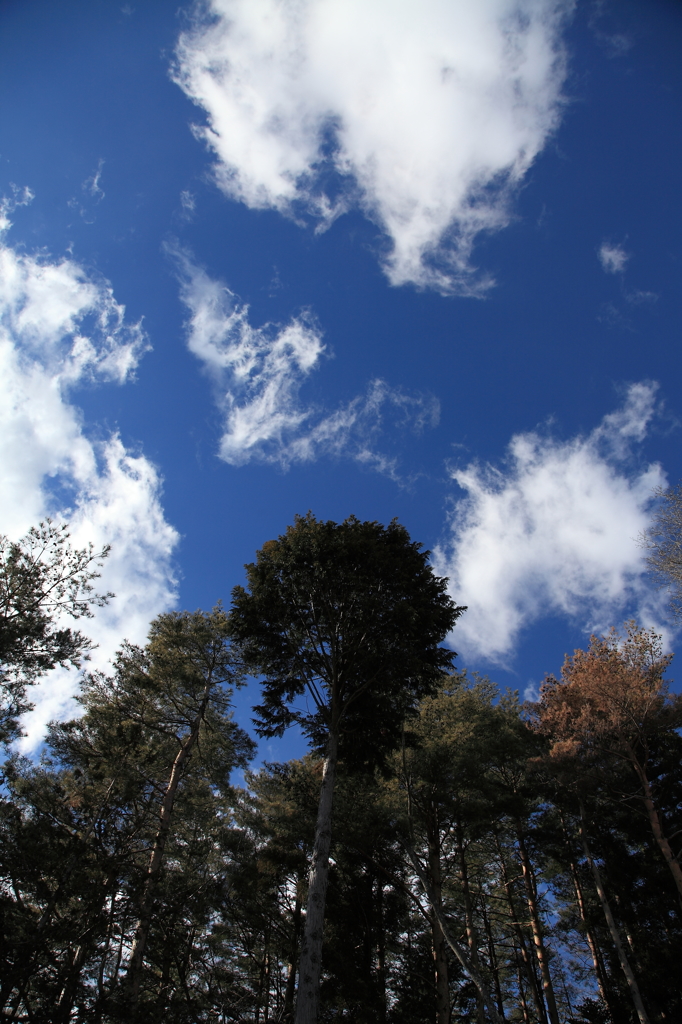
x=118, y=873
x=42, y=578
x=612, y=704
x=663, y=539
x=352, y=615
x=444, y=772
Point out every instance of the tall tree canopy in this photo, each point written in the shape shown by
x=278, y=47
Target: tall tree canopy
x=351, y=616
x=351, y=613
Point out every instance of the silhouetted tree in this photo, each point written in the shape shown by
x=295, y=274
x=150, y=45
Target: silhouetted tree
x=352, y=615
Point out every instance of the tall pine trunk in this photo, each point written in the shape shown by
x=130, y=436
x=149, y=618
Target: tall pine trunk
x=462, y=955
x=536, y=928
x=308, y=995
x=613, y=929
x=654, y=817
x=597, y=962
x=472, y=938
x=531, y=976
x=440, y=959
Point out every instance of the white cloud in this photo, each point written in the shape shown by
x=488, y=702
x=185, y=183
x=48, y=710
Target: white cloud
x=553, y=533
x=92, y=195
x=613, y=258
x=428, y=113
x=188, y=204
x=258, y=373
x=60, y=328
x=92, y=186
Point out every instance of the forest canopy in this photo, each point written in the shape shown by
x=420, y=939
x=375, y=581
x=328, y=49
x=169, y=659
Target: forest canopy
x=443, y=852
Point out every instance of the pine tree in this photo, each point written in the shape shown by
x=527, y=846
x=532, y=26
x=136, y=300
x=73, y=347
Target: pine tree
x=352, y=615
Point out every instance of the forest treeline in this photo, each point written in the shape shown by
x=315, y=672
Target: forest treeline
x=443, y=853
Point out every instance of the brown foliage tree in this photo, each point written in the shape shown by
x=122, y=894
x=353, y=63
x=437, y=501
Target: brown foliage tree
x=612, y=704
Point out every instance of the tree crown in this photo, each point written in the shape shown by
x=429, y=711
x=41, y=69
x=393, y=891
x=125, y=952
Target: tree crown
x=353, y=614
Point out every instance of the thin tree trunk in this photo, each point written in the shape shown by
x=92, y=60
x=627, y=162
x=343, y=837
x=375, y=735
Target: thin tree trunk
x=522, y=994
x=290, y=991
x=536, y=927
x=628, y=933
x=266, y=1007
x=591, y=940
x=540, y=1008
x=472, y=939
x=308, y=995
x=656, y=824
x=456, y=948
x=624, y=963
x=494, y=965
x=133, y=977
x=599, y=969
x=440, y=959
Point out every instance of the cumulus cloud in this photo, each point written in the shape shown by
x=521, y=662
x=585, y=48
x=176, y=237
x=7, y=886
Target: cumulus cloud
x=424, y=115
x=553, y=532
x=258, y=373
x=613, y=258
x=59, y=329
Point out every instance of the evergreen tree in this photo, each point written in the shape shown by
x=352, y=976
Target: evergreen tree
x=127, y=811
x=352, y=614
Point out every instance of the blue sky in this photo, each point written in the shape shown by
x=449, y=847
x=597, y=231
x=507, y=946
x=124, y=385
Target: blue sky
x=389, y=259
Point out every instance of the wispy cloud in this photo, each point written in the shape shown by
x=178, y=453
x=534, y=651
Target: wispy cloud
x=92, y=186
x=553, y=532
x=188, y=204
x=615, y=43
x=92, y=196
x=258, y=373
x=613, y=258
x=427, y=114
x=61, y=329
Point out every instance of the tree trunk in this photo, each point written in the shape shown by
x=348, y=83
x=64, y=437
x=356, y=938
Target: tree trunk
x=540, y=1008
x=536, y=927
x=472, y=939
x=62, y=1011
x=494, y=965
x=456, y=948
x=310, y=966
x=440, y=959
x=591, y=938
x=624, y=963
x=522, y=994
x=656, y=824
x=133, y=978
x=290, y=991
